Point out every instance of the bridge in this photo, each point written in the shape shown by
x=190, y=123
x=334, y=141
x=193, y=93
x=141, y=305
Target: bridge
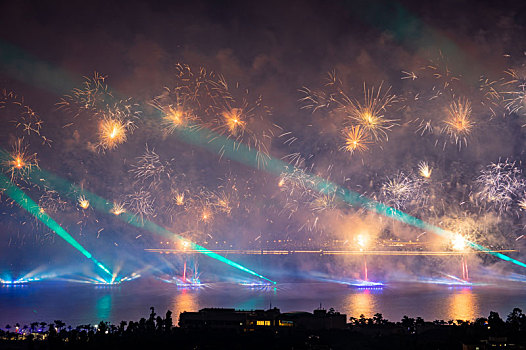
x=326, y=252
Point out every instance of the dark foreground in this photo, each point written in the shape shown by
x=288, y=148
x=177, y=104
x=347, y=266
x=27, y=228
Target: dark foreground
x=157, y=332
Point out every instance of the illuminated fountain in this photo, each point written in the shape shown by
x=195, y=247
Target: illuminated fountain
x=458, y=243
x=362, y=241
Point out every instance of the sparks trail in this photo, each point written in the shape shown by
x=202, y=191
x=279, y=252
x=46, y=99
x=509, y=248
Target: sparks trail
x=403, y=190
x=515, y=91
x=20, y=161
x=95, y=103
x=361, y=122
x=356, y=139
x=425, y=170
x=459, y=124
x=149, y=170
x=370, y=114
x=501, y=186
x=187, y=104
x=14, y=110
x=243, y=118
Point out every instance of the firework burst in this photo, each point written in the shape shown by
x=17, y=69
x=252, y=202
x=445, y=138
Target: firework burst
x=20, y=161
x=141, y=204
x=234, y=121
x=362, y=122
x=112, y=132
x=243, y=118
x=324, y=98
x=464, y=227
x=458, y=125
x=515, y=94
x=116, y=119
x=370, y=114
x=50, y=202
x=402, y=191
x=500, y=185
x=177, y=117
x=149, y=169
x=187, y=102
x=222, y=202
x=176, y=111
x=24, y=117
x=83, y=202
x=356, y=139
x=424, y=170
x=458, y=242
x=87, y=98
x=206, y=214
x=179, y=198
x=323, y=202
x=118, y=209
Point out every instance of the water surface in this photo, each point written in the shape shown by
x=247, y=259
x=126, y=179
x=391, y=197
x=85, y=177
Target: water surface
x=82, y=304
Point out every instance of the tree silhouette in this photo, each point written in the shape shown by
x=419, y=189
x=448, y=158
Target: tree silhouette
x=121, y=326
x=516, y=319
x=59, y=324
x=168, y=323
x=150, y=324
x=362, y=321
x=52, y=332
x=159, y=324
x=494, y=320
x=103, y=327
x=408, y=323
x=378, y=318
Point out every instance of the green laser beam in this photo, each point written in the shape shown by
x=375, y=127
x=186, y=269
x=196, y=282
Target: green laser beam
x=240, y=153
x=25, y=202
x=63, y=186
x=29, y=69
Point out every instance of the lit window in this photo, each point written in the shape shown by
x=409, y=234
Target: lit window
x=262, y=323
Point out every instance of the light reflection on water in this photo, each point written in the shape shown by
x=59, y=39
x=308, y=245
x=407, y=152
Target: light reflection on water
x=84, y=304
x=103, y=307
x=463, y=304
x=185, y=300
x=361, y=302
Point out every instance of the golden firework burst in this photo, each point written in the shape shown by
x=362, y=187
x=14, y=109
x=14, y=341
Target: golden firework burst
x=83, y=202
x=356, y=139
x=19, y=161
x=458, y=242
x=112, y=132
x=424, y=170
x=118, y=209
x=234, y=120
x=179, y=198
x=458, y=124
x=370, y=114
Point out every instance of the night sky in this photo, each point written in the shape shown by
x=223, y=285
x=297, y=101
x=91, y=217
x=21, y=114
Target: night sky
x=446, y=79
